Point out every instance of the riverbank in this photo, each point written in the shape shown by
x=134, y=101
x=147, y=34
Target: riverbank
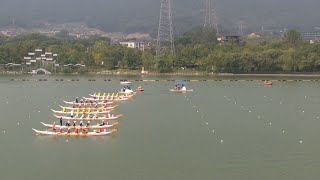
x=177, y=73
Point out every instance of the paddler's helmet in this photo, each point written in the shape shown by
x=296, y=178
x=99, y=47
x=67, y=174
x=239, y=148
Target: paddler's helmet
x=68, y=121
x=74, y=121
x=89, y=122
x=81, y=122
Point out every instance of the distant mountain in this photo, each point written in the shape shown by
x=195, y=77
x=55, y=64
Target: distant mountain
x=142, y=15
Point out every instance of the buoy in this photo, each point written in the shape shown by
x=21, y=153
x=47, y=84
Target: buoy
x=213, y=131
x=18, y=123
x=207, y=123
x=300, y=142
x=67, y=140
x=221, y=141
x=270, y=123
x=249, y=111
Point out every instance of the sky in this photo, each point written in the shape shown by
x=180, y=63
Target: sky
x=115, y=15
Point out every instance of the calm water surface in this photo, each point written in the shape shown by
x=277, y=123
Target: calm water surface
x=223, y=130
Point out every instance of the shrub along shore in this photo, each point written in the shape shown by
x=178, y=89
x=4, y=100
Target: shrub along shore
x=197, y=52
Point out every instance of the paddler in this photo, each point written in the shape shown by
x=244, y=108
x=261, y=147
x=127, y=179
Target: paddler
x=84, y=130
x=78, y=110
x=88, y=124
x=68, y=124
x=103, y=123
x=60, y=130
x=72, y=114
x=54, y=127
x=74, y=124
x=68, y=131
x=64, y=110
x=76, y=130
x=81, y=123
x=61, y=121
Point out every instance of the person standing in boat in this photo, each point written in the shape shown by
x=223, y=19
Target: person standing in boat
x=77, y=100
x=61, y=121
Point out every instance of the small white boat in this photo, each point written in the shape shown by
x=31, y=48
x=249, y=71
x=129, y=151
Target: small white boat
x=125, y=83
x=79, y=127
x=181, y=87
x=176, y=90
x=74, y=134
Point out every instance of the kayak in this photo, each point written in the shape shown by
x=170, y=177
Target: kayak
x=93, y=103
x=113, y=99
x=73, y=133
x=86, y=112
x=95, y=109
x=89, y=118
x=88, y=127
x=176, y=90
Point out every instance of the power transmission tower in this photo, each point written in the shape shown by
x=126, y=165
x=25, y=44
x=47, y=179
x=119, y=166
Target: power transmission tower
x=210, y=15
x=241, y=25
x=165, y=40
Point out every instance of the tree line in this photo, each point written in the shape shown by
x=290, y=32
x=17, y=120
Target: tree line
x=196, y=50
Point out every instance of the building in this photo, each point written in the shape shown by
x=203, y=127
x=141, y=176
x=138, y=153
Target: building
x=229, y=39
x=311, y=36
x=40, y=59
x=136, y=44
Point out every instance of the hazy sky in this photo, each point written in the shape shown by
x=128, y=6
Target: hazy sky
x=293, y=13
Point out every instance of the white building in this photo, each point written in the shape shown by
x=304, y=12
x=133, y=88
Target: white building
x=136, y=45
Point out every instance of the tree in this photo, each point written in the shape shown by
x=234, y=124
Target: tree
x=293, y=37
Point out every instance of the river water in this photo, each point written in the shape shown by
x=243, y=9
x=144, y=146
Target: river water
x=224, y=130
